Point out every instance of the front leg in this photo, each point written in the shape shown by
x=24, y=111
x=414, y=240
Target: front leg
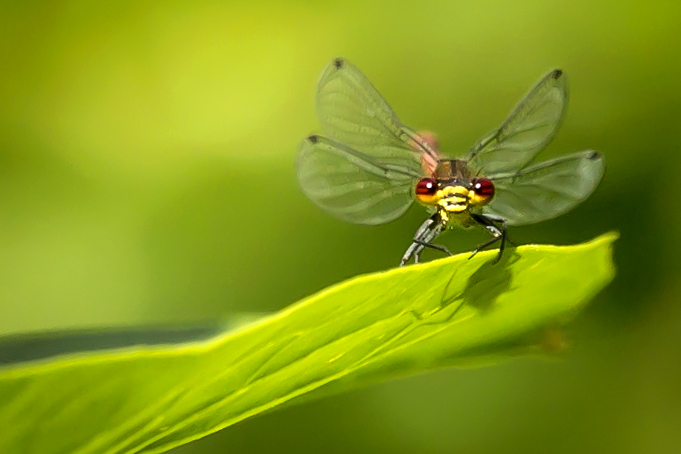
x=497, y=226
x=426, y=233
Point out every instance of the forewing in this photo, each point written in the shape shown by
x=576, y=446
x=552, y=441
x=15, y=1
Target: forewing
x=352, y=112
x=546, y=190
x=351, y=185
x=527, y=130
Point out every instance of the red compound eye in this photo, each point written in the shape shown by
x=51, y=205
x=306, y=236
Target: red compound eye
x=426, y=186
x=483, y=187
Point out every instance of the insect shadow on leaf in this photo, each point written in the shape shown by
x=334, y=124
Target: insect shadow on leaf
x=482, y=289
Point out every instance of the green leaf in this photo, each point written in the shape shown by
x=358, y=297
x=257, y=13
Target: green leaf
x=447, y=312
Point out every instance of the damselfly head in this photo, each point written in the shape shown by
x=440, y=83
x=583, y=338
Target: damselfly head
x=454, y=196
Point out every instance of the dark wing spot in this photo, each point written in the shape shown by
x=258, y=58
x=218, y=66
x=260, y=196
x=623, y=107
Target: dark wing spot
x=593, y=156
x=557, y=74
x=313, y=138
x=338, y=63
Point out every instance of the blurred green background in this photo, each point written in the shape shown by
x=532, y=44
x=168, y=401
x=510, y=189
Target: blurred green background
x=147, y=178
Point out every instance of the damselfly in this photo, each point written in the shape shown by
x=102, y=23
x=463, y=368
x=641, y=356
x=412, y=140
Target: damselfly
x=368, y=167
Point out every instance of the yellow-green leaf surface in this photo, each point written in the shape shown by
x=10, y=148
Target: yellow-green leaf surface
x=447, y=312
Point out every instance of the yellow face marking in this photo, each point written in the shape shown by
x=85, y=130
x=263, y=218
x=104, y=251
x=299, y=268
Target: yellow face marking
x=453, y=199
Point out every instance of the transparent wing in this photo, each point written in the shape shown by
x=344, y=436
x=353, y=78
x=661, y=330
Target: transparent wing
x=546, y=190
x=352, y=112
x=526, y=131
x=351, y=185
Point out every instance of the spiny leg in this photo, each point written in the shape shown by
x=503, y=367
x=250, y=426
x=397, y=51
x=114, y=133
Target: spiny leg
x=489, y=222
x=504, y=227
x=437, y=247
x=426, y=233
x=414, y=249
x=430, y=235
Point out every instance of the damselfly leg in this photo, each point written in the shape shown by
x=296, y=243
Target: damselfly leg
x=426, y=233
x=497, y=226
